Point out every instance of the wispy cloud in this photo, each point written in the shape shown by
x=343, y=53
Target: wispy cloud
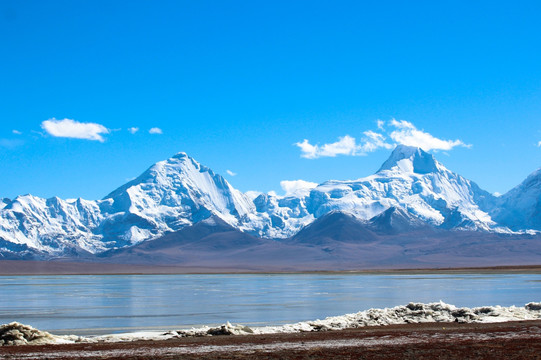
x=402, y=132
x=16, y=132
x=133, y=130
x=539, y=144
x=69, y=128
x=231, y=173
x=38, y=133
x=155, y=130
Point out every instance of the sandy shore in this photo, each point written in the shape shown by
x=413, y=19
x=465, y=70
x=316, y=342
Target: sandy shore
x=511, y=340
x=23, y=267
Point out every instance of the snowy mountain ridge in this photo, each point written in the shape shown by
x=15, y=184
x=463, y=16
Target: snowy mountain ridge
x=411, y=180
x=179, y=192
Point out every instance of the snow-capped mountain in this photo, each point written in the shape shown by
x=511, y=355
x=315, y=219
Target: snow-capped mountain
x=520, y=208
x=50, y=226
x=409, y=191
x=410, y=180
x=170, y=195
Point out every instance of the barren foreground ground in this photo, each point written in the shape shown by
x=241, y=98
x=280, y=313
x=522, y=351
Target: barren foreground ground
x=512, y=340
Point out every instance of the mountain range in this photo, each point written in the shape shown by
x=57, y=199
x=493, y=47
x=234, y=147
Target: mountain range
x=412, y=212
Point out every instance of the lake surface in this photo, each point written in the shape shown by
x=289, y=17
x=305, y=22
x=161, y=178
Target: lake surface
x=86, y=304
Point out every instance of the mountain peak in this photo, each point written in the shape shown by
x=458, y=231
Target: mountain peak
x=182, y=161
x=180, y=155
x=182, y=192
x=411, y=159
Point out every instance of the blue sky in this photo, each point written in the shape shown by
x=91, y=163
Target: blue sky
x=237, y=85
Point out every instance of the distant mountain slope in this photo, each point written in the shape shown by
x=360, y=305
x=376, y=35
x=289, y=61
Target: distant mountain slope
x=335, y=227
x=210, y=237
x=212, y=243
x=411, y=193
x=396, y=221
x=336, y=241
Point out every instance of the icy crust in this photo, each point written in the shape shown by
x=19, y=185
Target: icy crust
x=414, y=313
x=19, y=334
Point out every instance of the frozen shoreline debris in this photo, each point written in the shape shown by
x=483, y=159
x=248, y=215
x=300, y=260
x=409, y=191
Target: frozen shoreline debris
x=19, y=334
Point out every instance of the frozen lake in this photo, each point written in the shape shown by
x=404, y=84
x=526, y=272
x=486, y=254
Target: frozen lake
x=87, y=304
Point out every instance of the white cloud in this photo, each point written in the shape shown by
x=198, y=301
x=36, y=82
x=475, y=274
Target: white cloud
x=133, y=130
x=401, y=124
x=404, y=133
x=408, y=134
x=308, y=150
x=345, y=145
x=373, y=141
x=17, y=132
x=155, y=130
x=69, y=128
x=294, y=186
x=231, y=173
x=539, y=144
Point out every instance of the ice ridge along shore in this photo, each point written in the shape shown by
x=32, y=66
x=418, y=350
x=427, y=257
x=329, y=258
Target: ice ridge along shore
x=19, y=334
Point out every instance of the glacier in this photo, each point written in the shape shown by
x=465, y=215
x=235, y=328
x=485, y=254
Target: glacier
x=179, y=192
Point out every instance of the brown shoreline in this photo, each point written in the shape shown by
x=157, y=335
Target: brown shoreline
x=24, y=267
x=510, y=340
